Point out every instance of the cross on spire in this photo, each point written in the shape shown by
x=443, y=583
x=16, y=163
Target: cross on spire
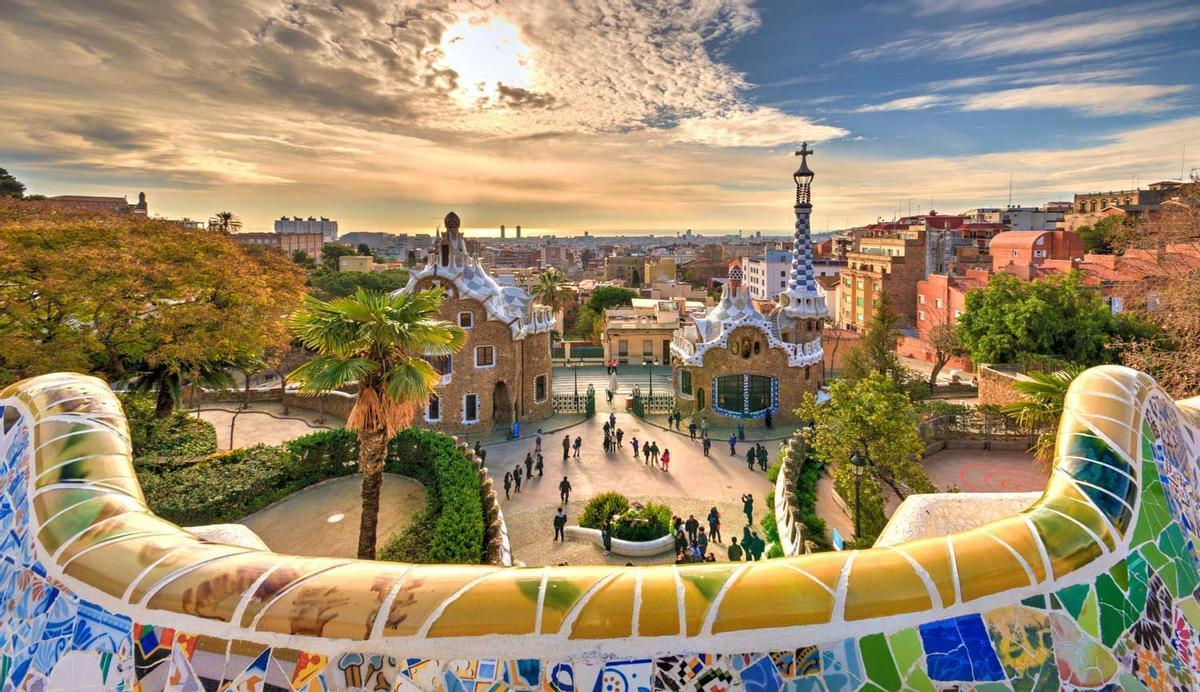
x=804, y=151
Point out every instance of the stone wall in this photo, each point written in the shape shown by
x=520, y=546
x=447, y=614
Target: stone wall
x=996, y=384
x=793, y=382
x=505, y=389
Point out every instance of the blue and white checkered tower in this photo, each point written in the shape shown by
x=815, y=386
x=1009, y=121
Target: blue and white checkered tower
x=802, y=296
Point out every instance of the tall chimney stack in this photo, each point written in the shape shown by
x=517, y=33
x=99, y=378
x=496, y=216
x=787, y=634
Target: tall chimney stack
x=518, y=231
x=501, y=231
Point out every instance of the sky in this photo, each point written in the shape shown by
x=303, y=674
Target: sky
x=600, y=115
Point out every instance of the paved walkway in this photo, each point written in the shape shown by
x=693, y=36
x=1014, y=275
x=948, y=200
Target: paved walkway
x=322, y=519
x=982, y=471
x=261, y=423
x=718, y=477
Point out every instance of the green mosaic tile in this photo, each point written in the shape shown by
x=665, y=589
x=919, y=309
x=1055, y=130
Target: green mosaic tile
x=1089, y=615
x=1038, y=602
x=1180, y=577
x=1131, y=684
x=1154, y=557
x=1116, y=613
x=907, y=649
x=1138, y=575
x=1072, y=598
x=1154, y=515
x=1147, y=442
x=877, y=657
x=919, y=680
x=1191, y=611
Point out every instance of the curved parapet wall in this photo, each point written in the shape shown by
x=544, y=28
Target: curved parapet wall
x=1090, y=586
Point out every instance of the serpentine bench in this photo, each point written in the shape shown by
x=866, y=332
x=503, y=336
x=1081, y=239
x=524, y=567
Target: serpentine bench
x=1091, y=586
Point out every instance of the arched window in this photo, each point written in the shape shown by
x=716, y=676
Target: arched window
x=757, y=347
x=685, y=380
x=539, y=388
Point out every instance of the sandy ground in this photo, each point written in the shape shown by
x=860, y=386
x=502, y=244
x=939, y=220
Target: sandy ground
x=255, y=426
x=322, y=520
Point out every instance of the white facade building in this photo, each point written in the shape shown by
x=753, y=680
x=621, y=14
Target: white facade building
x=328, y=229
x=766, y=275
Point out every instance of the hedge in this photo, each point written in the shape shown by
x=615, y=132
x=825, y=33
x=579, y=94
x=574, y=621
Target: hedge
x=229, y=486
x=804, y=496
x=602, y=507
x=644, y=523
x=172, y=441
x=449, y=528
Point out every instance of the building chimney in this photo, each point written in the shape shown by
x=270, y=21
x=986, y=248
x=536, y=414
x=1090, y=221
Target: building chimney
x=518, y=231
x=501, y=231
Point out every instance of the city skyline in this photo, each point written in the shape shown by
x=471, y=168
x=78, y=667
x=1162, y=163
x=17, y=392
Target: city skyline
x=609, y=116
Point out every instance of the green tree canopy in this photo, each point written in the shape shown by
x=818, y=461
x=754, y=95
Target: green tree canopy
x=10, y=186
x=875, y=418
x=605, y=297
x=330, y=252
x=337, y=284
x=1105, y=237
x=123, y=296
x=876, y=351
x=1058, y=316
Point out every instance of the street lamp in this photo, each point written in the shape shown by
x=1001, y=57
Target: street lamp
x=650, y=363
x=860, y=464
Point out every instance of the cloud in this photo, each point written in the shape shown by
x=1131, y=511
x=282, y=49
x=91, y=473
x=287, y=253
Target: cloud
x=1067, y=32
x=908, y=103
x=928, y=7
x=759, y=127
x=1087, y=98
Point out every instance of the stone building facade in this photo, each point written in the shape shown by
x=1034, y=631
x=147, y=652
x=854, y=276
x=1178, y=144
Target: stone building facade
x=736, y=362
x=503, y=372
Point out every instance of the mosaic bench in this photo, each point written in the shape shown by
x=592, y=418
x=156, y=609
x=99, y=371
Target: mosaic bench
x=1090, y=587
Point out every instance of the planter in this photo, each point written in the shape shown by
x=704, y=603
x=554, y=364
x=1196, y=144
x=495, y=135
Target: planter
x=657, y=546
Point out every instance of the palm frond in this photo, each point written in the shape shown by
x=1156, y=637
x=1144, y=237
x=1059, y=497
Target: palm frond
x=327, y=373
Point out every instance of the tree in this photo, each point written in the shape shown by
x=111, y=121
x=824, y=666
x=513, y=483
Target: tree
x=1041, y=407
x=126, y=297
x=225, y=222
x=364, y=249
x=303, y=259
x=1167, y=295
x=1110, y=235
x=552, y=290
x=873, y=417
x=380, y=341
x=10, y=186
x=585, y=323
x=605, y=297
x=876, y=351
x=943, y=339
x=330, y=252
x=1059, y=316
x=338, y=284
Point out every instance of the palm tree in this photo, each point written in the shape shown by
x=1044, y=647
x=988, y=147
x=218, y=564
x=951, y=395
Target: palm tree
x=1041, y=407
x=380, y=341
x=225, y=222
x=551, y=289
x=167, y=379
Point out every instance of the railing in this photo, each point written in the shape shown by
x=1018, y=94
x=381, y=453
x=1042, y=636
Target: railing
x=793, y=454
x=659, y=403
x=975, y=428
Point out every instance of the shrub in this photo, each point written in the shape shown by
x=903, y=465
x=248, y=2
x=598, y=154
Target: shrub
x=603, y=506
x=449, y=528
x=643, y=524
x=229, y=486
x=172, y=441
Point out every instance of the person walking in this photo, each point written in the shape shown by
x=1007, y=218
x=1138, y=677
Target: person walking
x=578, y=445
x=612, y=420
x=677, y=524
x=735, y=550
x=707, y=444
x=768, y=421
x=762, y=457
x=751, y=457
x=566, y=447
x=537, y=442
x=732, y=445
x=741, y=431
x=606, y=441
x=746, y=541
x=605, y=428
x=666, y=460
x=646, y=451
x=654, y=451
x=620, y=436
x=691, y=525
x=480, y=452
x=748, y=508
x=564, y=490
x=606, y=535
x=528, y=465
x=508, y=481
x=757, y=546
x=704, y=426
x=634, y=443
x=692, y=430
x=681, y=542
x=702, y=541
x=539, y=464
x=517, y=477
x=714, y=525
x=560, y=521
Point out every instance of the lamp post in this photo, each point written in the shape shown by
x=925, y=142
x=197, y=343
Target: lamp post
x=860, y=464
x=650, y=363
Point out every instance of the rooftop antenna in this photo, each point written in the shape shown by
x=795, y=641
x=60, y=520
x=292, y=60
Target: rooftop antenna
x=1010, y=179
